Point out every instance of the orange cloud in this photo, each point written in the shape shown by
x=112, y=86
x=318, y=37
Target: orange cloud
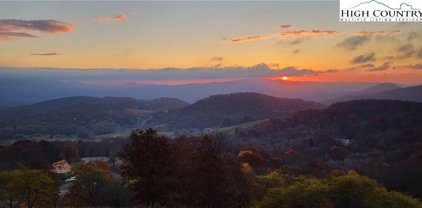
x=307, y=33
x=245, y=39
x=118, y=17
x=11, y=29
x=121, y=17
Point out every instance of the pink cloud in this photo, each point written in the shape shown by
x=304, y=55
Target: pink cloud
x=117, y=17
x=12, y=29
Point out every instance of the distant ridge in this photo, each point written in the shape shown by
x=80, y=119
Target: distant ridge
x=405, y=94
x=381, y=88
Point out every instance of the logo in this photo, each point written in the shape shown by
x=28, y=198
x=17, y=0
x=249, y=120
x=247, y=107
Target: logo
x=381, y=11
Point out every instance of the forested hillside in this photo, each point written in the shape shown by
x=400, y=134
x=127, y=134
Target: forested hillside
x=379, y=138
x=82, y=117
x=231, y=109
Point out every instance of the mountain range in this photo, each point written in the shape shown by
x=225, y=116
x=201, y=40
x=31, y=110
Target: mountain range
x=230, y=109
x=87, y=117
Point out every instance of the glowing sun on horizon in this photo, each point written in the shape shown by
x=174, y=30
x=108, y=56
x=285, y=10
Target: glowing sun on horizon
x=284, y=78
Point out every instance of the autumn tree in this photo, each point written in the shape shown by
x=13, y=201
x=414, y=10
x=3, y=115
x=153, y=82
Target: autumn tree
x=241, y=185
x=351, y=190
x=218, y=177
x=9, y=195
x=91, y=179
x=69, y=152
x=210, y=177
x=28, y=187
x=148, y=167
x=183, y=153
x=184, y=172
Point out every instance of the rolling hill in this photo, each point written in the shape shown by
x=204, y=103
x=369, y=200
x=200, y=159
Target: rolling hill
x=230, y=109
x=81, y=116
x=378, y=138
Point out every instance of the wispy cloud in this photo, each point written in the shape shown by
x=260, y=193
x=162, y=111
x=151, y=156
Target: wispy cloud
x=419, y=54
x=364, y=66
x=383, y=67
x=331, y=71
x=6, y=35
x=117, y=17
x=306, y=33
x=217, y=58
x=11, y=29
x=296, y=51
x=352, y=43
x=416, y=66
x=363, y=58
x=406, y=51
x=359, y=38
x=245, y=39
x=286, y=26
x=217, y=61
x=46, y=54
x=284, y=35
x=413, y=35
x=376, y=33
x=411, y=66
x=296, y=42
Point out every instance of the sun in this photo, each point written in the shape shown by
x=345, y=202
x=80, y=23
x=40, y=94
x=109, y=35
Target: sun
x=284, y=78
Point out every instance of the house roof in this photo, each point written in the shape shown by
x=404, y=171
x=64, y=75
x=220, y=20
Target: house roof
x=61, y=167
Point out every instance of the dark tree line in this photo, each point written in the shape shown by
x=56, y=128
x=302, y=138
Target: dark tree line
x=38, y=155
x=41, y=154
x=184, y=172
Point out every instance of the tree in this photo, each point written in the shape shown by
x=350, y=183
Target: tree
x=241, y=185
x=33, y=188
x=209, y=176
x=183, y=166
x=304, y=193
x=114, y=194
x=91, y=179
x=148, y=167
x=351, y=190
x=9, y=196
x=69, y=152
x=36, y=186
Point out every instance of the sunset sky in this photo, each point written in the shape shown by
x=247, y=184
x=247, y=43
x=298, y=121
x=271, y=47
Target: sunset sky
x=301, y=39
